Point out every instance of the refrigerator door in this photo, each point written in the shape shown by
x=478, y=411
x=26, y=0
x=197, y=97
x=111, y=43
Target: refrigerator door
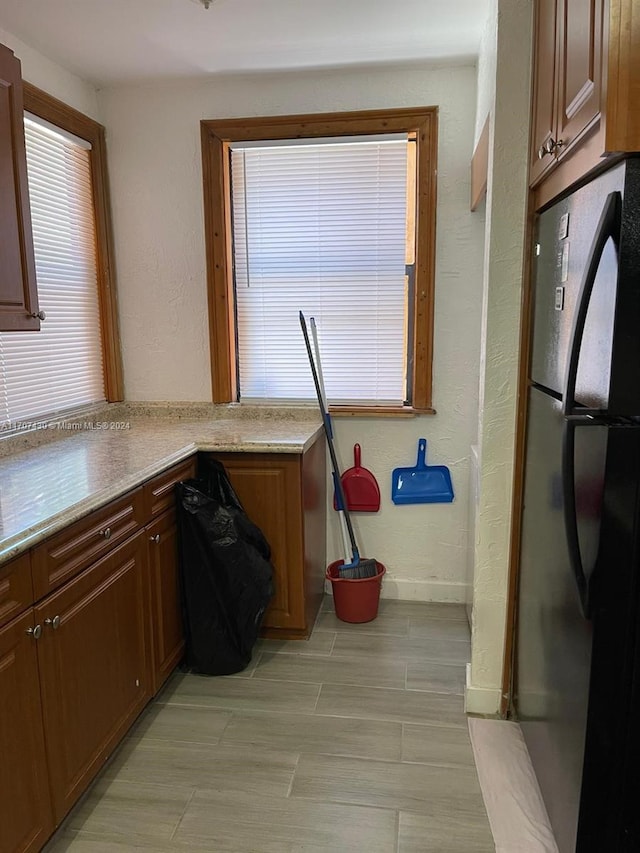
x=609, y=814
x=562, y=250
x=554, y=639
x=588, y=370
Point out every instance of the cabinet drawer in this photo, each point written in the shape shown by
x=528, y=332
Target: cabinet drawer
x=159, y=493
x=73, y=549
x=16, y=590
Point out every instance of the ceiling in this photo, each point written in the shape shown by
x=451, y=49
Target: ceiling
x=109, y=42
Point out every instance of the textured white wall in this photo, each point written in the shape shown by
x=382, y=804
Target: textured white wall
x=486, y=90
x=155, y=167
x=54, y=79
x=503, y=274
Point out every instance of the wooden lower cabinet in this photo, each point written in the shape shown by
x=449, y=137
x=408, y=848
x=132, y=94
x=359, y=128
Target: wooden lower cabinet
x=94, y=667
x=285, y=495
x=78, y=666
x=26, y=820
x=164, y=597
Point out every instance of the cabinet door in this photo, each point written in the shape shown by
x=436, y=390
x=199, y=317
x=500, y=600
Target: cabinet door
x=94, y=673
x=543, y=107
x=24, y=793
x=269, y=486
x=166, y=614
x=580, y=34
x=18, y=294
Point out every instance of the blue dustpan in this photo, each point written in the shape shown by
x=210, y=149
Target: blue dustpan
x=424, y=484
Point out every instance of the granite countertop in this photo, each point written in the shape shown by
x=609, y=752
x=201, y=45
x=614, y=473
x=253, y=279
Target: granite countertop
x=43, y=488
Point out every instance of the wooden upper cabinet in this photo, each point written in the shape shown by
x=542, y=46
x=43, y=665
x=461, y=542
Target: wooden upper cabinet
x=579, y=70
x=18, y=293
x=623, y=77
x=567, y=81
x=543, y=112
x=586, y=89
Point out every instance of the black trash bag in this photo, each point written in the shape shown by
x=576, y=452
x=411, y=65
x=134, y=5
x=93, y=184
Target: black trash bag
x=226, y=574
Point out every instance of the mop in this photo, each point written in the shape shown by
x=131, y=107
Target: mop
x=354, y=566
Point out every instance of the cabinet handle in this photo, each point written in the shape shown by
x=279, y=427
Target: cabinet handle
x=106, y=533
x=40, y=315
x=155, y=539
x=55, y=622
x=36, y=632
x=551, y=146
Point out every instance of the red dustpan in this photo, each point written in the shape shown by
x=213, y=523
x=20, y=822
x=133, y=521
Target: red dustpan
x=360, y=487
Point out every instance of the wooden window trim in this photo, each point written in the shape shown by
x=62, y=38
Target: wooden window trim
x=216, y=137
x=60, y=114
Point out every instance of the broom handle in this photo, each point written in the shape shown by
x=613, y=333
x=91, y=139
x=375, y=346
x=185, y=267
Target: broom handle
x=327, y=428
x=316, y=349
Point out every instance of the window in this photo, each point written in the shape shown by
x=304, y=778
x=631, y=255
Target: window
x=321, y=228
x=74, y=360
x=335, y=216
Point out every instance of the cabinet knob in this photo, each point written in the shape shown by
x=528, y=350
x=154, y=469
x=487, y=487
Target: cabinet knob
x=40, y=315
x=54, y=623
x=155, y=539
x=551, y=146
x=106, y=533
x=36, y=632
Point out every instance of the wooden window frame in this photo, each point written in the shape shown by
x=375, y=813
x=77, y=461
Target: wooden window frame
x=216, y=137
x=58, y=113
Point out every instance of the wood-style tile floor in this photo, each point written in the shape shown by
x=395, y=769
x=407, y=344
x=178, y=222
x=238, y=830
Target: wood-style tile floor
x=354, y=740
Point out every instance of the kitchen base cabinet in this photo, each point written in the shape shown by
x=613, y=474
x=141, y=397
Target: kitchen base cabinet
x=26, y=821
x=164, y=597
x=97, y=625
x=94, y=667
x=285, y=495
x=167, y=641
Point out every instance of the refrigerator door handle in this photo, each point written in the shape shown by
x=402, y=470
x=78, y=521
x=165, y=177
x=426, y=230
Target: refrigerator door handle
x=608, y=227
x=570, y=514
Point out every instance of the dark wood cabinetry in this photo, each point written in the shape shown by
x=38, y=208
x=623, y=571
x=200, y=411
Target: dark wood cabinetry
x=568, y=79
x=91, y=626
x=18, y=292
x=164, y=597
x=94, y=667
x=16, y=589
x=284, y=494
x=26, y=820
x=167, y=642
x=80, y=544
x=579, y=70
x=543, y=112
x=586, y=89
x=79, y=664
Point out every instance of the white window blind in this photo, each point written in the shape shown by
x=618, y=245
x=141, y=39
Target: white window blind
x=321, y=228
x=60, y=367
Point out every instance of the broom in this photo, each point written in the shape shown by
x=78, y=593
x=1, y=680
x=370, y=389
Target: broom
x=357, y=567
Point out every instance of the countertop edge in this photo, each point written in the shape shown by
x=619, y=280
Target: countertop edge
x=30, y=537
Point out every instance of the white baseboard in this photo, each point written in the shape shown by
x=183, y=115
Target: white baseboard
x=428, y=590
x=481, y=700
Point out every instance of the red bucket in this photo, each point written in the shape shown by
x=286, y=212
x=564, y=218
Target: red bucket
x=355, y=599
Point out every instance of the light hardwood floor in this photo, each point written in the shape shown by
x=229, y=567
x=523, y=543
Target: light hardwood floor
x=354, y=740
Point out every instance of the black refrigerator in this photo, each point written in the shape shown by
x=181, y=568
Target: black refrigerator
x=577, y=688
